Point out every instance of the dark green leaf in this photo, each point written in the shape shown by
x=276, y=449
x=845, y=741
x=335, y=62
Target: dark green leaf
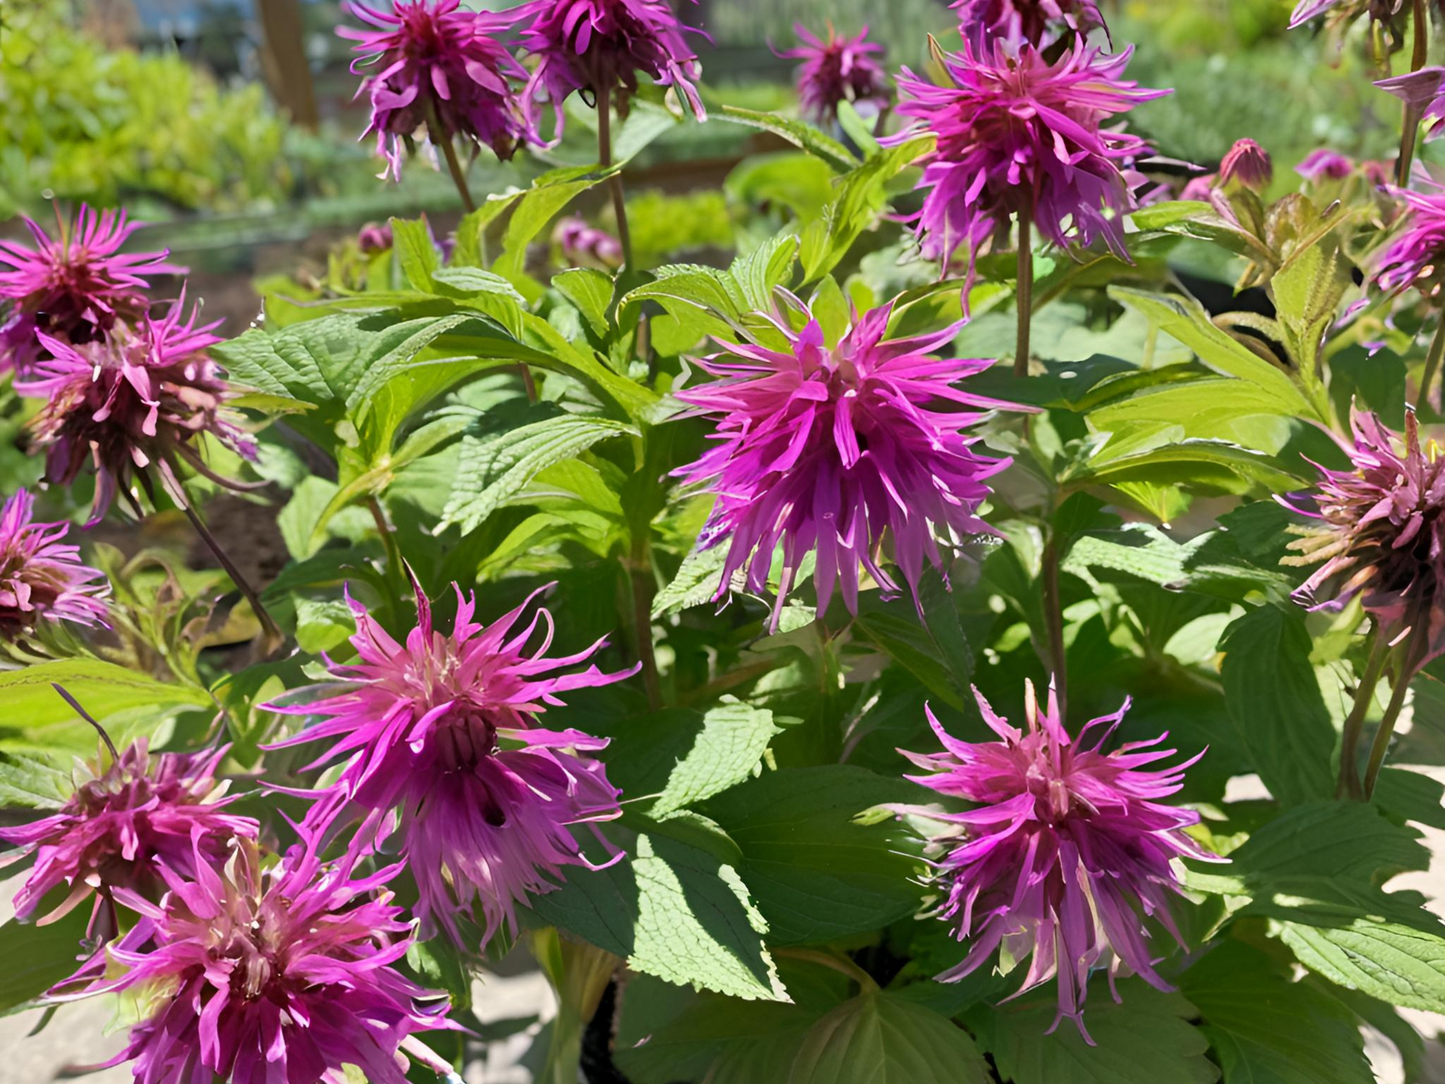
x=877, y=1038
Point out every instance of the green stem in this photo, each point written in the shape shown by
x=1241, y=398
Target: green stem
x=643, y=590
x=271, y=636
x=1348, y=785
x=1387, y=727
x=1024, y=293
x=1411, y=129
x=614, y=182
x=1432, y=360
x=840, y=964
x=449, y=152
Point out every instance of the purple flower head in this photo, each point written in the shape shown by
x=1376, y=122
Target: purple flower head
x=1066, y=846
x=374, y=238
x=1413, y=257
x=137, y=400
x=597, y=47
x=1038, y=22
x=837, y=70
x=1019, y=135
x=41, y=575
x=73, y=286
x=276, y=976
x=431, y=62
x=124, y=824
x=827, y=448
x=444, y=731
x=586, y=246
x=1381, y=535
x=1248, y=164
x=1323, y=163
x=1200, y=188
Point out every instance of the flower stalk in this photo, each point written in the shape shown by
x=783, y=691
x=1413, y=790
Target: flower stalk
x=1348, y=785
x=1024, y=294
x=614, y=182
x=1386, y=729
x=1411, y=127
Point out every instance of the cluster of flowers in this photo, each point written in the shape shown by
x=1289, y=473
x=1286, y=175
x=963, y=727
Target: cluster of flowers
x=844, y=447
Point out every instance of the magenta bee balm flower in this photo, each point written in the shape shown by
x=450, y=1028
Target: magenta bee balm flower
x=1323, y=163
x=840, y=69
x=1017, y=135
x=276, y=976
x=124, y=823
x=1381, y=536
x=1067, y=852
x=597, y=47
x=1247, y=164
x=41, y=575
x=1413, y=257
x=1038, y=22
x=834, y=447
x=137, y=400
x=430, y=62
x=444, y=731
x=74, y=286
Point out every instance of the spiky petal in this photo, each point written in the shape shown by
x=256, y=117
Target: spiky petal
x=1016, y=134
x=125, y=821
x=1413, y=257
x=277, y=976
x=1381, y=535
x=73, y=286
x=444, y=732
x=597, y=47
x=836, y=70
x=828, y=447
x=1067, y=852
x=1324, y=163
x=434, y=63
x=134, y=402
x=41, y=575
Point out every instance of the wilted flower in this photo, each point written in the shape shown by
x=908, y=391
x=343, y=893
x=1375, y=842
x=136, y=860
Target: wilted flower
x=1067, y=846
x=41, y=575
x=1381, y=536
x=837, y=70
x=134, y=401
x=827, y=448
x=597, y=47
x=587, y=246
x=1018, y=135
x=1038, y=22
x=444, y=731
x=1325, y=163
x=276, y=976
x=432, y=62
x=73, y=286
x=125, y=822
x=1413, y=257
x=1248, y=164
x=374, y=238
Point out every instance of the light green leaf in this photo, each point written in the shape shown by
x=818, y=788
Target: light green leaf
x=495, y=469
x=673, y=911
x=861, y=197
x=877, y=1038
x=803, y=136
x=590, y=291
x=696, y=582
x=28, y=782
x=322, y=625
x=728, y=750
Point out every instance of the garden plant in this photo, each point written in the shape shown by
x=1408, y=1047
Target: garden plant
x=958, y=640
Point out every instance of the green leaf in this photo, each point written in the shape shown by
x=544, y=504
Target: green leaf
x=590, y=291
x=877, y=1038
x=38, y=717
x=1138, y=549
x=728, y=750
x=803, y=136
x=720, y=1039
x=1185, y=319
x=534, y=208
x=37, y=957
x=934, y=651
x=416, y=252
x=674, y=911
x=322, y=624
x=495, y=469
x=1206, y=464
x=1274, y=699
x=1146, y=1039
x=817, y=875
x=1266, y=1029
x=861, y=197
x=28, y=782
x=696, y=582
